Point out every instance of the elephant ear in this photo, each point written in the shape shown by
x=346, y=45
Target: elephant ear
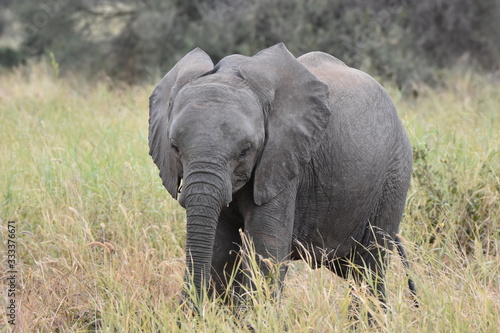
x=193, y=65
x=297, y=118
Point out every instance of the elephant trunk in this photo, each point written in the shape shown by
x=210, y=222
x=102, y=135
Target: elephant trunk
x=204, y=194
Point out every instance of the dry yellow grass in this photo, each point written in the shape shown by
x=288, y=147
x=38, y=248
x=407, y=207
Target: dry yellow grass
x=100, y=245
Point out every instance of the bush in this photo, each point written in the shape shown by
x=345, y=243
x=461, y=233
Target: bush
x=402, y=41
x=10, y=57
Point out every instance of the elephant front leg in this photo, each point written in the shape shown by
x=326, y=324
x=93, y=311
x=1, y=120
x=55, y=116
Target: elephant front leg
x=262, y=272
x=226, y=275
x=267, y=241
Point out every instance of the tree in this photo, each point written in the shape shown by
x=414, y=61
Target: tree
x=131, y=40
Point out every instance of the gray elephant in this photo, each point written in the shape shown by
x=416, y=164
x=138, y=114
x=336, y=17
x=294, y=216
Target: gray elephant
x=306, y=155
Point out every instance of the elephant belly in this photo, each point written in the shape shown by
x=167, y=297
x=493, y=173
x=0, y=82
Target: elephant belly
x=334, y=207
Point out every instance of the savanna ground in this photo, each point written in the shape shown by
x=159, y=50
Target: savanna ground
x=100, y=245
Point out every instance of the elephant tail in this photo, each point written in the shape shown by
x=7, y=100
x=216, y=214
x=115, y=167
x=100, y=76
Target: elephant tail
x=404, y=260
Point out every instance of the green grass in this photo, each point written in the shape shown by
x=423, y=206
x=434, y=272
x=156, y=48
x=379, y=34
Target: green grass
x=101, y=245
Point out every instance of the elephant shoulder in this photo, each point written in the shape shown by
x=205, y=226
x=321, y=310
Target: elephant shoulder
x=326, y=67
x=319, y=60
x=341, y=79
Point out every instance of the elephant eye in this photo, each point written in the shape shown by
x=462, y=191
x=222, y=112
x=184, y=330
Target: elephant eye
x=245, y=152
x=175, y=147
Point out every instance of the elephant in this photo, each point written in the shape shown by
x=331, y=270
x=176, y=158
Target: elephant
x=305, y=156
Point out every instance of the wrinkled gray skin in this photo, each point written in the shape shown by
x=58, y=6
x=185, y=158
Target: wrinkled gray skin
x=304, y=155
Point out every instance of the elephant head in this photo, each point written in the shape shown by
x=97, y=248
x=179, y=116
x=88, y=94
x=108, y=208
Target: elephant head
x=248, y=119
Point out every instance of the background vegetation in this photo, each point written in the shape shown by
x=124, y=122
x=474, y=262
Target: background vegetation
x=404, y=41
x=101, y=244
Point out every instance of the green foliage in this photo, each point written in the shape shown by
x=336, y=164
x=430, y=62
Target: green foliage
x=402, y=41
x=456, y=183
x=10, y=57
x=447, y=30
x=474, y=207
x=54, y=64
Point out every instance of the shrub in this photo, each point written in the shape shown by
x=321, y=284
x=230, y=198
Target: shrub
x=403, y=41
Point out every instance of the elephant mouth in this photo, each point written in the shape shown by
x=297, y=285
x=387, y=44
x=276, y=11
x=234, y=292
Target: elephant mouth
x=238, y=184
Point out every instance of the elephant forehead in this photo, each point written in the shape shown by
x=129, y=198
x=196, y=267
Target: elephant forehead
x=216, y=89
x=213, y=121
x=216, y=109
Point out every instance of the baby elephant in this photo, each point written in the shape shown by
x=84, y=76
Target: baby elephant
x=306, y=155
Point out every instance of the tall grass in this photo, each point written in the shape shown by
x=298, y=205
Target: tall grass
x=101, y=244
